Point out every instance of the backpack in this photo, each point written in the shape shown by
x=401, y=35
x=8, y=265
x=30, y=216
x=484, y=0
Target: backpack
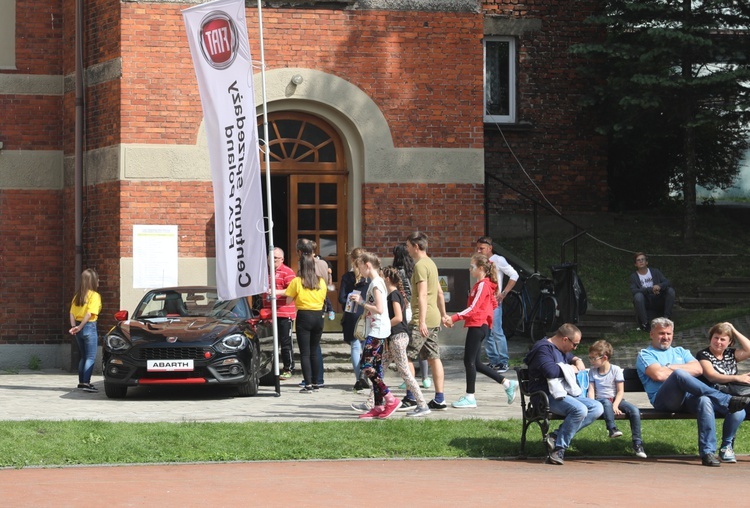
x=570, y=293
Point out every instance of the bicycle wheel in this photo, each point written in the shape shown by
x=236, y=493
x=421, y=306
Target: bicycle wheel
x=512, y=314
x=545, y=319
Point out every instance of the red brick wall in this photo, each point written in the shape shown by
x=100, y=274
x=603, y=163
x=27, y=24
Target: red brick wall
x=424, y=70
x=452, y=215
x=554, y=140
x=189, y=205
x=30, y=122
x=31, y=277
x=38, y=37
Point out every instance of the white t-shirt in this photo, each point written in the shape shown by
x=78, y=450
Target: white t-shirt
x=647, y=281
x=377, y=325
x=605, y=385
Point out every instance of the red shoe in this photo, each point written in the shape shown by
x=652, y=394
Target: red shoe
x=372, y=413
x=390, y=408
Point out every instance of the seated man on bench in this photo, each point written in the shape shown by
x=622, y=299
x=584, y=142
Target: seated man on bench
x=669, y=376
x=548, y=360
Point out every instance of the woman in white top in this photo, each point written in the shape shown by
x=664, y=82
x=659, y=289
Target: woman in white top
x=377, y=329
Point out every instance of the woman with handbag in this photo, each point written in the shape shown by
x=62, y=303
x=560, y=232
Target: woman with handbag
x=719, y=362
x=353, y=281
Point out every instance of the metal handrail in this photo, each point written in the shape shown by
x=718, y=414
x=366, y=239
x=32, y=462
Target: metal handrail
x=577, y=229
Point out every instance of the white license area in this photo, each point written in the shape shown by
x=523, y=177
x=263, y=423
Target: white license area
x=169, y=365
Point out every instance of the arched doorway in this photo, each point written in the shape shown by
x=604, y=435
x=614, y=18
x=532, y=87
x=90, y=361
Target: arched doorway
x=308, y=186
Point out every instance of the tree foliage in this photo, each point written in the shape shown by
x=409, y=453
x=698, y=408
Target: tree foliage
x=670, y=80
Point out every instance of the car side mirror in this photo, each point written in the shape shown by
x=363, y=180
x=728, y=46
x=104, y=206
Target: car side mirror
x=121, y=315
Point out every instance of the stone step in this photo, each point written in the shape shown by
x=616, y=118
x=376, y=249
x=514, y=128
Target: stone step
x=692, y=302
x=609, y=316
x=732, y=281
x=727, y=292
x=599, y=328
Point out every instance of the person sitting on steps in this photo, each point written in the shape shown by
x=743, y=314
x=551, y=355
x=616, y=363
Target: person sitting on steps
x=653, y=295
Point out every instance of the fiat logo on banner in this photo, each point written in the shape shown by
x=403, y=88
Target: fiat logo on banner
x=218, y=40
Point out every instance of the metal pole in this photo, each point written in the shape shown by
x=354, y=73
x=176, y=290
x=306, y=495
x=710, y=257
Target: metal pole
x=267, y=159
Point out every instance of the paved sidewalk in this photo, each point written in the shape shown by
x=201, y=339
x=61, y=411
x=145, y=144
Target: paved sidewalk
x=51, y=395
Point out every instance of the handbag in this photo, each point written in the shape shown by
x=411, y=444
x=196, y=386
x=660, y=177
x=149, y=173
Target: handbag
x=736, y=389
x=360, y=331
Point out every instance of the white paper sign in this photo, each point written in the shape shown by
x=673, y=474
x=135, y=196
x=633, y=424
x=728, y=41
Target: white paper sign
x=154, y=256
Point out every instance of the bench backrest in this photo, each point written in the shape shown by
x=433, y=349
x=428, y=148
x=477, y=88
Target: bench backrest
x=632, y=381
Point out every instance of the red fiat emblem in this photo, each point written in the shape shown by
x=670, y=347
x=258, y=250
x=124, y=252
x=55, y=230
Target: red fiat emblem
x=218, y=40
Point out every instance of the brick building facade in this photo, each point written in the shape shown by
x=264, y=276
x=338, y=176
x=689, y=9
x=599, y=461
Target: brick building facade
x=397, y=86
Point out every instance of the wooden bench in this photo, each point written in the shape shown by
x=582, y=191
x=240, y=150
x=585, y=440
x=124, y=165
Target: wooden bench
x=535, y=405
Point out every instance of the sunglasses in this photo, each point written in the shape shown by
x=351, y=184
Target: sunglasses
x=574, y=344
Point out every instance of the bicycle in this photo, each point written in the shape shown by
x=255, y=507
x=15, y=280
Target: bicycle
x=535, y=317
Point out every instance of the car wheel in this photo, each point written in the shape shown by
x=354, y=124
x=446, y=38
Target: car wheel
x=250, y=387
x=115, y=391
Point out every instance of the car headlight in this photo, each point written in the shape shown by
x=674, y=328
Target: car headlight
x=231, y=343
x=117, y=343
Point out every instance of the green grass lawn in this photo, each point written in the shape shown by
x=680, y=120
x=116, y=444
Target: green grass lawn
x=43, y=443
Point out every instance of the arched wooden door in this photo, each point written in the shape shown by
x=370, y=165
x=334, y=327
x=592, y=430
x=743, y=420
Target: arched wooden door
x=309, y=174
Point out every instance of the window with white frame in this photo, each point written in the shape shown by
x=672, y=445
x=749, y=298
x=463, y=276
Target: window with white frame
x=500, y=79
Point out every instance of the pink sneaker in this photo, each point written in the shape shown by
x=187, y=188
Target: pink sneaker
x=372, y=413
x=390, y=408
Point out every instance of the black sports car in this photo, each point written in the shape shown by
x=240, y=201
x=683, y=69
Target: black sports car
x=186, y=335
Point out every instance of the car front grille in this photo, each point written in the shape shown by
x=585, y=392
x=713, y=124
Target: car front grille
x=170, y=353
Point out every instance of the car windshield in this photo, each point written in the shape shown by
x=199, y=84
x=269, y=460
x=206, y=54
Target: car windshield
x=177, y=303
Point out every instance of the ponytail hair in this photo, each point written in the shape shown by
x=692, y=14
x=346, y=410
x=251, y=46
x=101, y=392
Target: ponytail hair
x=369, y=257
x=481, y=261
x=390, y=273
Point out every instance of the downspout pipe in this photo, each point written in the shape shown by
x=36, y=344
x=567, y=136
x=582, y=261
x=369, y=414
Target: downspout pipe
x=78, y=182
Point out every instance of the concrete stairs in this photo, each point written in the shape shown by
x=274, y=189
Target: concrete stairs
x=597, y=323
x=725, y=292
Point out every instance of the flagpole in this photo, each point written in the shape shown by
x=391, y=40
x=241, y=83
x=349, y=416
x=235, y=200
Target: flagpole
x=267, y=161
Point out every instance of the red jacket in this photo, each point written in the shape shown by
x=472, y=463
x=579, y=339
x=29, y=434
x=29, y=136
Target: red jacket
x=481, y=306
x=284, y=275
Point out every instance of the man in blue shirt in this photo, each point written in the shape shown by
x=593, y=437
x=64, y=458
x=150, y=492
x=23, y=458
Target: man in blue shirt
x=669, y=376
x=548, y=359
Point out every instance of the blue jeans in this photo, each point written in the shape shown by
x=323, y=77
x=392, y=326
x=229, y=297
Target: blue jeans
x=681, y=391
x=88, y=341
x=579, y=412
x=632, y=412
x=659, y=305
x=356, y=346
x=496, y=345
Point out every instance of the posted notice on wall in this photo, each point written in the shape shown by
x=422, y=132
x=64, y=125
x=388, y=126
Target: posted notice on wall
x=154, y=256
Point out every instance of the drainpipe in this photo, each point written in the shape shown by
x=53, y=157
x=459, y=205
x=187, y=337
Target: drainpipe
x=78, y=184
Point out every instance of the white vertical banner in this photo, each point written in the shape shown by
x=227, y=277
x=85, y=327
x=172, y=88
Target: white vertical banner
x=217, y=34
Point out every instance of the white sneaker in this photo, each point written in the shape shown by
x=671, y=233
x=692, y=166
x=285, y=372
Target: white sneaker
x=419, y=411
x=361, y=407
